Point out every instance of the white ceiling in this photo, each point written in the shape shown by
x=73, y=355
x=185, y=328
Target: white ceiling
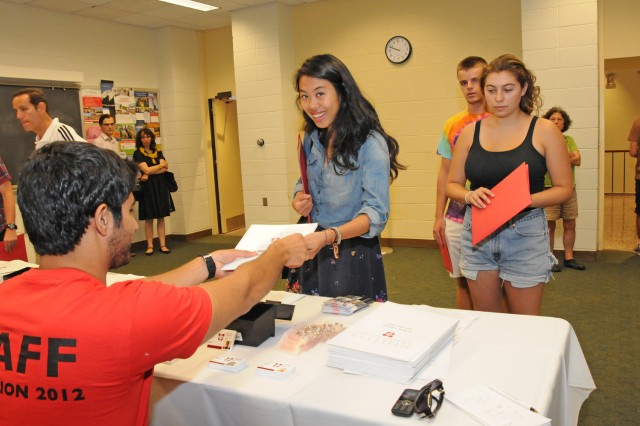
x=151, y=13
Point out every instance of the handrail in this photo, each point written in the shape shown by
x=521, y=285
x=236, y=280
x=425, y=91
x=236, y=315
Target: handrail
x=618, y=177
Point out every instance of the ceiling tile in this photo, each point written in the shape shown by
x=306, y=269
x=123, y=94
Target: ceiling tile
x=142, y=21
x=101, y=12
x=59, y=5
x=137, y=6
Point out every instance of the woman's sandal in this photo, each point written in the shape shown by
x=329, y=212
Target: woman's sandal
x=165, y=250
x=149, y=251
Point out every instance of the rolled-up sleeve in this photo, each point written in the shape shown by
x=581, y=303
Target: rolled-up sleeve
x=375, y=165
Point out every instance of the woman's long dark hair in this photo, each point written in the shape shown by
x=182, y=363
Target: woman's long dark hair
x=356, y=117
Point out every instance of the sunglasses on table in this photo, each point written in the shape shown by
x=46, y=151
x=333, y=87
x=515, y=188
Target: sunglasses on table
x=429, y=399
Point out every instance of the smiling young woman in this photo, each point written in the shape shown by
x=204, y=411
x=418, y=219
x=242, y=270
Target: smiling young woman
x=350, y=163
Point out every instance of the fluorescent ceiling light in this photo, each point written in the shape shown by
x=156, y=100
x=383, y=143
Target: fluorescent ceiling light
x=192, y=4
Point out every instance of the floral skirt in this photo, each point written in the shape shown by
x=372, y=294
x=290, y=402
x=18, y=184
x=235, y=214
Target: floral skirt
x=358, y=271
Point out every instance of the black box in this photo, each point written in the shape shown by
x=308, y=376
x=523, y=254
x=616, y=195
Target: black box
x=255, y=326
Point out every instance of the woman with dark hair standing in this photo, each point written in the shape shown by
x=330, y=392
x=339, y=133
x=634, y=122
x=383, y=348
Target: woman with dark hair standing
x=567, y=211
x=514, y=261
x=155, y=200
x=351, y=161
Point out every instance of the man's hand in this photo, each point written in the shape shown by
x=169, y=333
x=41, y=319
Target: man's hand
x=222, y=257
x=438, y=231
x=10, y=238
x=295, y=249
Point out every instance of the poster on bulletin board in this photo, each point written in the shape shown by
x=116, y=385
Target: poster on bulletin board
x=133, y=109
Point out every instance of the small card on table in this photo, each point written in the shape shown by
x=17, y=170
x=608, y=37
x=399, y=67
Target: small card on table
x=228, y=363
x=275, y=370
x=224, y=340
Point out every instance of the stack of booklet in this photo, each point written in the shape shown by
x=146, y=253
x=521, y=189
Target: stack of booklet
x=345, y=305
x=393, y=342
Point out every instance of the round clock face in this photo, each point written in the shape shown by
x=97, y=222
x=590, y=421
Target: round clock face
x=398, y=49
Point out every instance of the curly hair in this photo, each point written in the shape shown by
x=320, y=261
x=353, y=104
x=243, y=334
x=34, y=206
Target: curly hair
x=531, y=100
x=356, y=117
x=563, y=113
x=61, y=186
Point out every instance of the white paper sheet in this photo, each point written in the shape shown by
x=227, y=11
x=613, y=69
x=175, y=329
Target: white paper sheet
x=259, y=237
x=492, y=407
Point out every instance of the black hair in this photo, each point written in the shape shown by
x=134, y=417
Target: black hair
x=145, y=131
x=356, y=118
x=531, y=98
x=563, y=113
x=60, y=187
x=35, y=96
x=104, y=117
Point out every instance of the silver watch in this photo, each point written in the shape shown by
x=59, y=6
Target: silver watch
x=12, y=226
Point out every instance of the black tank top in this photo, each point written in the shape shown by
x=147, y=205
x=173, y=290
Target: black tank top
x=486, y=169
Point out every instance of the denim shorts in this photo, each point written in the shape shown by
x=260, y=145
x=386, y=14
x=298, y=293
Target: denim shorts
x=519, y=250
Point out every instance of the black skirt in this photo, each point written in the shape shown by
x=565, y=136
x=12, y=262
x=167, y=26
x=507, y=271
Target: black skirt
x=358, y=271
x=154, y=199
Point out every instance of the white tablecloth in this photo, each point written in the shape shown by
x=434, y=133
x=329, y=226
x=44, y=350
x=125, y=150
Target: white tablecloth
x=538, y=360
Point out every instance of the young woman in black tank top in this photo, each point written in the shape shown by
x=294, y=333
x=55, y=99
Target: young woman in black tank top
x=502, y=141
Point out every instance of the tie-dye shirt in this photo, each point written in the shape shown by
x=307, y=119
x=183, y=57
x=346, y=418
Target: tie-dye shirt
x=452, y=129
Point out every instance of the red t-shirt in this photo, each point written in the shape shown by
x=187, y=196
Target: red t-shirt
x=75, y=352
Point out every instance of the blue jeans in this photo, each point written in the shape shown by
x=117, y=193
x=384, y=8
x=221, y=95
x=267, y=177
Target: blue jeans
x=519, y=250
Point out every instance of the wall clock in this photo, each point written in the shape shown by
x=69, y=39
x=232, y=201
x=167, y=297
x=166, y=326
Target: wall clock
x=398, y=49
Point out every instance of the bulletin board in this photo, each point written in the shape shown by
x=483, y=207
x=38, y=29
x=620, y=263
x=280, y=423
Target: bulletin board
x=132, y=108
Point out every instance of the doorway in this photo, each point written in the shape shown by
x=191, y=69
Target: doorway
x=227, y=174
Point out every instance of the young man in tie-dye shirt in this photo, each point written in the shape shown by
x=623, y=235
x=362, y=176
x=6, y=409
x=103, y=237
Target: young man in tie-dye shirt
x=448, y=224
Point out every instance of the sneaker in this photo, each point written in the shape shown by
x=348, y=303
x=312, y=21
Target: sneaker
x=636, y=250
x=556, y=268
x=571, y=263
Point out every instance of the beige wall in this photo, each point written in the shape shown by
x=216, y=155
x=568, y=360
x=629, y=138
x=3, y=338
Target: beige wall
x=560, y=44
x=621, y=29
x=413, y=99
x=168, y=59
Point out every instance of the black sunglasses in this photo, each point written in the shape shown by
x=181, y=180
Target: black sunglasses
x=424, y=404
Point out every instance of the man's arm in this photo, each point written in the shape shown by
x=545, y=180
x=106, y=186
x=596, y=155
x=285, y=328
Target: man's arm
x=633, y=149
x=234, y=295
x=9, y=203
x=441, y=200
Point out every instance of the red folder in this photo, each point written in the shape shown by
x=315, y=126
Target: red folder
x=511, y=196
x=302, y=161
x=446, y=257
x=19, y=252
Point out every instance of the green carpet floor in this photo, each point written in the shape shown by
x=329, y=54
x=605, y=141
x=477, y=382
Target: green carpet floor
x=602, y=304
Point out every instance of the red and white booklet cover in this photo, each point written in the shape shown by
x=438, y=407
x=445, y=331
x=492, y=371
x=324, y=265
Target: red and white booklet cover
x=511, y=196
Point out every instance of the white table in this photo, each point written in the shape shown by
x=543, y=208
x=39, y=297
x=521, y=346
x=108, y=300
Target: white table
x=535, y=359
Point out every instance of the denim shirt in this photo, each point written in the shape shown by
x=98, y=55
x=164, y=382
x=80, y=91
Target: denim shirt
x=340, y=198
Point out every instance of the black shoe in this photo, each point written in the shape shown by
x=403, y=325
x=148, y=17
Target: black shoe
x=571, y=263
x=556, y=268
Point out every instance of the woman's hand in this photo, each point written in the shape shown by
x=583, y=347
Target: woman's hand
x=144, y=178
x=302, y=203
x=315, y=241
x=479, y=198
